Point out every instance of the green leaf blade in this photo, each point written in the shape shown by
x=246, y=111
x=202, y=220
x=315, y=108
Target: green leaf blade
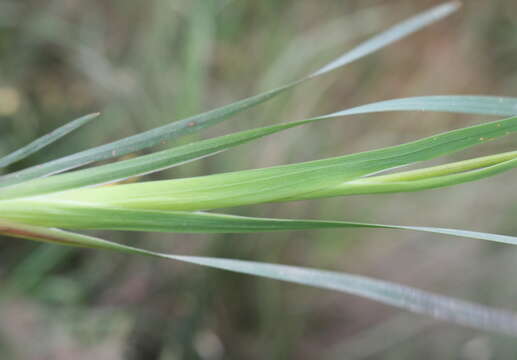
x=418, y=301
x=423, y=179
x=195, y=123
x=405, y=297
x=140, y=165
x=140, y=141
x=464, y=104
x=78, y=217
x=45, y=140
x=179, y=155
x=281, y=183
x=391, y=35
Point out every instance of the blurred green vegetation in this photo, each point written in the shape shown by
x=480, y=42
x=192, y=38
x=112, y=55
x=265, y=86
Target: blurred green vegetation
x=146, y=63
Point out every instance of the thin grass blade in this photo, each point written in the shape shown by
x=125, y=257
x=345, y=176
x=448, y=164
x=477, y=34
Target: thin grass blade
x=76, y=217
x=418, y=301
x=466, y=104
x=438, y=306
x=417, y=180
x=179, y=155
x=140, y=141
x=195, y=123
x=391, y=35
x=140, y=165
x=45, y=140
x=281, y=183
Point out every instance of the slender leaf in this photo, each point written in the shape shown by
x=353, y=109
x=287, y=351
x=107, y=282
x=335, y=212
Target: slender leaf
x=405, y=297
x=281, y=182
x=140, y=165
x=195, y=123
x=418, y=180
x=190, y=152
x=441, y=307
x=395, y=33
x=45, y=140
x=75, y=216
x=140, y=141
x=468, y=104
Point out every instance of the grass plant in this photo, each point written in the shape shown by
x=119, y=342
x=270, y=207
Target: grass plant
x=48, y=201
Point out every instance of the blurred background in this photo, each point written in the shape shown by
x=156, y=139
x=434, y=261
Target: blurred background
x=147, y=63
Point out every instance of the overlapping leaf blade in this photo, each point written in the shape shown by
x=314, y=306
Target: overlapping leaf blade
x=281, y=182
x=137, y=166
x=190, y=152
x=195, y=123
x=424, y=178
x=140, y=141
x=71, y=216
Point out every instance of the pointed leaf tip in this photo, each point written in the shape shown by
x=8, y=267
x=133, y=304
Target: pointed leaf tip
x=393, y=34
x=46, y=140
